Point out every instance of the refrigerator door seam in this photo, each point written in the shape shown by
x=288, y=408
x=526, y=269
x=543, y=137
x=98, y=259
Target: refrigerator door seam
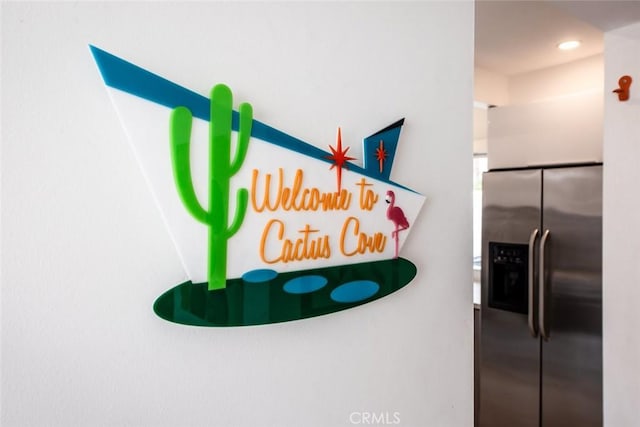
x=542, y=291
x=531, y=317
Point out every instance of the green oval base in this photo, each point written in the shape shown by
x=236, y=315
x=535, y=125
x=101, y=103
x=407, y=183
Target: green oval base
x=243, y=303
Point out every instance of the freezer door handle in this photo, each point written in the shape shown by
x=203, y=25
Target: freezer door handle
x=533, y=328
x=542, y=291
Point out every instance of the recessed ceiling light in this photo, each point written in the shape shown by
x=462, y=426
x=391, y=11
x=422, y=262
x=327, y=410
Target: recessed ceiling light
x=569, y=45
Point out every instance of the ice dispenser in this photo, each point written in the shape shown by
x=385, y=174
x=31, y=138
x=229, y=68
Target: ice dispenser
x=508, y=275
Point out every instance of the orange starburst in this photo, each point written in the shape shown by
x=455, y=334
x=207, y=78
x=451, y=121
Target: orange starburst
x=381, y=155
x=339, y=158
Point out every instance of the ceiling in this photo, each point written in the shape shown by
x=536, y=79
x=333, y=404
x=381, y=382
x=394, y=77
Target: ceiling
x=513, y=37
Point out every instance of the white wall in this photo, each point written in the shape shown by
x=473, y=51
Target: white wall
x=85, y=253
x=553, y=116
x=621, y=269
x=583, y=75
x=554, y=85
x=480, y=129
x=560, y=130
x=490, y=87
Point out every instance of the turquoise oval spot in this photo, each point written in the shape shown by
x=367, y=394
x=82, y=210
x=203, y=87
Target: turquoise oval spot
x=305, y=284
x=355, y=291
x=259, y=276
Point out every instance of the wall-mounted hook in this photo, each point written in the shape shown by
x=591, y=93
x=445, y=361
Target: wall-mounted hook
x=623, y=90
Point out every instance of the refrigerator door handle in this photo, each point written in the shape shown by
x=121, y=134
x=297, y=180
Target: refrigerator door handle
x=533, y=328
x=542, y=291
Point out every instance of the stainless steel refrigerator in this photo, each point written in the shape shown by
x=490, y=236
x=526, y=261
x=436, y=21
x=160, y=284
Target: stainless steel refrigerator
x=541, y=300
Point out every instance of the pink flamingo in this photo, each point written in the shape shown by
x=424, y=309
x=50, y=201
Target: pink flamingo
x=395, y=214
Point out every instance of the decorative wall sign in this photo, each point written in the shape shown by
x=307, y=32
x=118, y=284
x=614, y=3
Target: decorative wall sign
x=269, y=228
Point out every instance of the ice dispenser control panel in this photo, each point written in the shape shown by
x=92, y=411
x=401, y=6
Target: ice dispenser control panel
x=508, y=276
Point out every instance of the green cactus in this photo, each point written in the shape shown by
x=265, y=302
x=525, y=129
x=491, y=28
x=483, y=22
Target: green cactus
x=221, y=169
